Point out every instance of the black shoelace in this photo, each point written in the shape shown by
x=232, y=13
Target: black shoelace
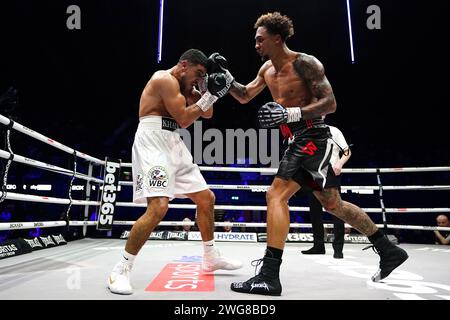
x=373, y=248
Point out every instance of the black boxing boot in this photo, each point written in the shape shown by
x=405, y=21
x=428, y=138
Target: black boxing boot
x=391, y=257
x=266, y=282
x=316, y=249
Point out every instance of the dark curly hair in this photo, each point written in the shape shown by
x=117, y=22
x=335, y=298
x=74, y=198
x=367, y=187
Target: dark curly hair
x=275, y=23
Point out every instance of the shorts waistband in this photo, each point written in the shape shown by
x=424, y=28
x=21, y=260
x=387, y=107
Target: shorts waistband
x=158, y=122
x=290, y=129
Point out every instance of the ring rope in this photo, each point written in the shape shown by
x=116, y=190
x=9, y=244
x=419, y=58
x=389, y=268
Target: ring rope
x=264, y=188
x=254, y=188
x=53, y=224
x=21, y=128
x=34, y=198
x=29, y=132
x=345, y=170
x=46, y=166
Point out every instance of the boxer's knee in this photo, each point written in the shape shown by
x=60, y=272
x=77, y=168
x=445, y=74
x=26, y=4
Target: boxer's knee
x=330, y=200
x=330, y=204
x=157, y=207
x=204, y=199
x=274, y=196
x=207, y=199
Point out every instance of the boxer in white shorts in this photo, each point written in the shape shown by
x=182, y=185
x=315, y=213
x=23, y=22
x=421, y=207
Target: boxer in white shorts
x=162, y=166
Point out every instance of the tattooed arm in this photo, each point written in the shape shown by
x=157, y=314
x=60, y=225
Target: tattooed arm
x=312, y=72
x=244, y=94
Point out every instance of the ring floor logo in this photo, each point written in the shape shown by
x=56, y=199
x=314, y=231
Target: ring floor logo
x=403, y=284
x=183, y=276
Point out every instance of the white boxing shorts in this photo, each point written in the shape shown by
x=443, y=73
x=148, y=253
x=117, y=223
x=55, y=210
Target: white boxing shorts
x=162, y=165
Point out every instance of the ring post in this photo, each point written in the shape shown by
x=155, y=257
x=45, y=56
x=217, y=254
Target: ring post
x=88, y=197
x=391, y=237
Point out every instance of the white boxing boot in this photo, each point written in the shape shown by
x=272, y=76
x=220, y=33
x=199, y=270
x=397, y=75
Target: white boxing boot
x=214, y=261
x=119, y=280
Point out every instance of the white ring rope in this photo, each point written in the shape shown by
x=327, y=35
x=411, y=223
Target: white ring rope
x=345, y=170
x=21, y=128
x=51, y=142
x=47, y=166
x=264, y=188
x=254, y=188
x=53, y=224
x=43, y=199
x=33, y=198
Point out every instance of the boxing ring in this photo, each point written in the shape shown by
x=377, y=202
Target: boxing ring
x=79, y=269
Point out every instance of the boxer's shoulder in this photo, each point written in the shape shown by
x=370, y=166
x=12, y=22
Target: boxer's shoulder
x=163, y=76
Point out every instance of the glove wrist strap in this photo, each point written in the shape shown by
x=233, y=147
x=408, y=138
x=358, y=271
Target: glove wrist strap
x=294, y=114
x=206, y=101
x=228, y=77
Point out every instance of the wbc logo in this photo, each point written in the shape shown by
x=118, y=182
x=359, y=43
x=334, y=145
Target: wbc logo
x=157, y=178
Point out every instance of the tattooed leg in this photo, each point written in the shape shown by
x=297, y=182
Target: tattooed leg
x=353, y=215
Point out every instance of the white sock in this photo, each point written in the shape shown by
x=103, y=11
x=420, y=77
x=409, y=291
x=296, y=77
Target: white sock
x=127, y=258
x=209, y=246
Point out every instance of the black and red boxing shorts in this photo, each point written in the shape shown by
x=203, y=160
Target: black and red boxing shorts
x=307, y=158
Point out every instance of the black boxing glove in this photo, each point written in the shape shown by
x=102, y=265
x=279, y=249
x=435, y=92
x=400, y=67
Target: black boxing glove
x=218, y=63
x=273, y=114
x=218, y=85
x=217, y=88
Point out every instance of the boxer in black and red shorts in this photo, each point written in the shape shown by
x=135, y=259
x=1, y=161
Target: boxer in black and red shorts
x=301, y=96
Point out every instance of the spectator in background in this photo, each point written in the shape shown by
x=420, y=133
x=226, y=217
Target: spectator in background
x=227, y=228
x=186, y=226
x=442, y=237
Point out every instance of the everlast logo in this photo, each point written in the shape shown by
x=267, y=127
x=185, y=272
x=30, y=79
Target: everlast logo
x=47, y=241
x=59, y=239
x=33, y=243
x=8, y=248
x=157, y=235
x=176, y=235
x=107, y=205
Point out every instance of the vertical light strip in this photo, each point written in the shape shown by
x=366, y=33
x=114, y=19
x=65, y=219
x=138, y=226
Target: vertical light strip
x=160, y=31
x=350, y=30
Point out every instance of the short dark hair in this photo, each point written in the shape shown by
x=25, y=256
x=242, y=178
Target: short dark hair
x=194, y=56
x=275, y=23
